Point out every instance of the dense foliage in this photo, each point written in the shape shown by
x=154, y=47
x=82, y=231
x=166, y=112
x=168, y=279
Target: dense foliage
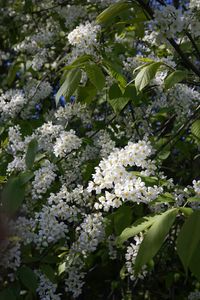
x=99, y=157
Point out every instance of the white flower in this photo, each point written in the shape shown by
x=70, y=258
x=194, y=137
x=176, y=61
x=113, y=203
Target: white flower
x=43, y=179
x=65, y=143
x=84, y=36
x=120, y=184
x=196, y=186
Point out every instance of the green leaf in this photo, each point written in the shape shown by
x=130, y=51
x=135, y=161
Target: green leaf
x=7, y=294
x=24, y=177
x=193, y=199
x=194, y=265
x=49, y=272
x=146, y=74
x=114, y=91
x=61, y=268
x=118, y=104
x=174, y=78
x=187, y=211
x=122, y=218
x=87, y=93
x=13, y=195
x=31, y=153
x=140, y=225
x=79, y=62
x=113, y=11
x=95, y=75
x=195, y=129
x=154, y=238
x=28, y=278
x=189, y=238
x=69, y=85
x=113, y=72
x=12, y=73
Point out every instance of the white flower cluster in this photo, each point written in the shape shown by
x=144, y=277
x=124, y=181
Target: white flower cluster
x=194, y=295
x=10, y=253
x=62, y=209
x=71, y=13
x=63, y=115
x=37, y=90
x=196, y=186
x=84, y=36
x=181, y=98
x=75, y=276
x=105, y=143
x=65, y=143
x=50, y=230
x=91, y=233
x=46, y=289
x=47, y=134
x=43, y=179
x=195, y=4
x=132, y=251
x=11, y=104
x=169, y=20
x=112, y=175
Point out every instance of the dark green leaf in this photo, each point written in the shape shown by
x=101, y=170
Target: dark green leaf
x=31, y=153
x=194, y=264
x=189, y=238
x=69, y=85
x=122, y=218
x=7, y=294
x=95, y=75
x=49, y=272
x=118, y=104
x=13, y=195
x=115, y=92
x=113, y=11
x=28, y=278
x=174, y=78
x=154, y=238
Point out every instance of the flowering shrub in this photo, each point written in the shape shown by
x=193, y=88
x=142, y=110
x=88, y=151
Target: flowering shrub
x=99, y=157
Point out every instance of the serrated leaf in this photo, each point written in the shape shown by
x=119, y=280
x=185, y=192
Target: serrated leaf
x=118, y=104
x=115, y=92
x=174, y=78
x=146, y=74
x=28, y=278
x=189, y=238
x=195, y=129
x=113, y=11
x=113, y=72
x=87, y=93
x=31, y=153
x=154, y=238
x=140, y=225
x=69, y=85
x=79, y=62
x=95, y=75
